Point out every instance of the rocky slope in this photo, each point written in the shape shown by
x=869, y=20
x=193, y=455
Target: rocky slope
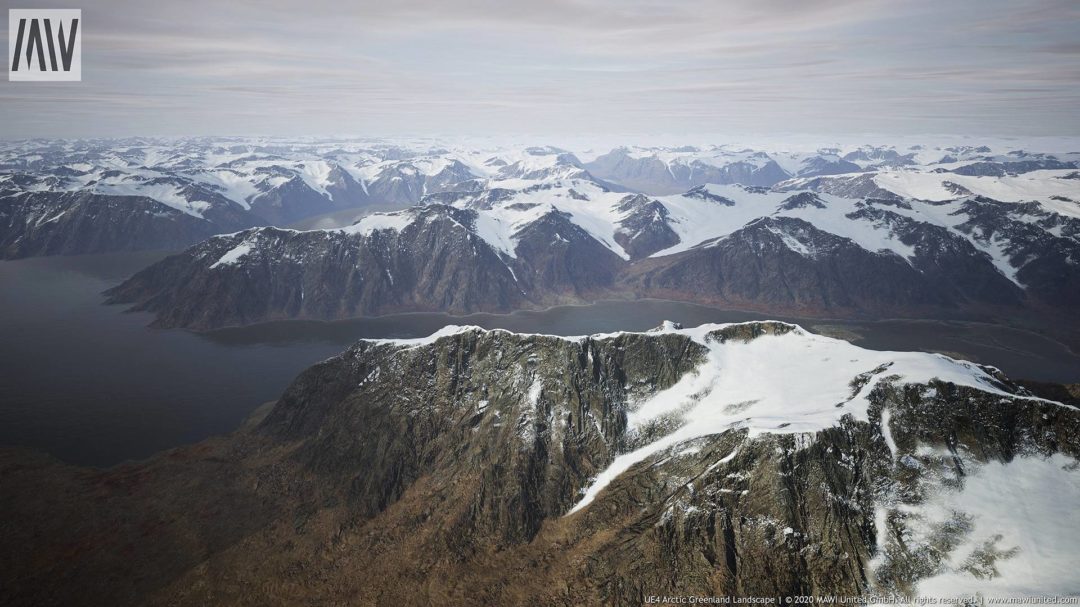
x=430, y=260
x=787, y=263
x=433, y=263
x=55, y=223
x=495, y=468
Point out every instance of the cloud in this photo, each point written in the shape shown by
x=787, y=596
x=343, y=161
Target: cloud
x=562, y=66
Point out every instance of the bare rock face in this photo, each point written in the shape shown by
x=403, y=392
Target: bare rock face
x=290, y=201
x=447, y=471
x=558, y=261
x=1043, y=248
x=644, y=229
x=62, y=223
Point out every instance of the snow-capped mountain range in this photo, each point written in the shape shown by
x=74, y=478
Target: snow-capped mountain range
x=280, y=181
x=541, y=228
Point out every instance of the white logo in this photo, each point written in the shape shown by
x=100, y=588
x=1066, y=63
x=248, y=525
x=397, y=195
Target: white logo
x=44, y=45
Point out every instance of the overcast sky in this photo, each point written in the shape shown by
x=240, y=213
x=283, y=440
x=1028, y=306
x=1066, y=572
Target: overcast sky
x=445, y=67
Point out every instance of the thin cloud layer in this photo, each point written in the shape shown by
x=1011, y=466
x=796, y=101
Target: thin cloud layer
x=565, y=66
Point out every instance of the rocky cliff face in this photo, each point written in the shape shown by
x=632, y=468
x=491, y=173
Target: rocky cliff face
x=435, y=263
x=491, y=467
x=556, y=260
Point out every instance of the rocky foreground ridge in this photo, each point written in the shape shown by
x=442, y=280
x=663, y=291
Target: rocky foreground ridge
x=486, y=467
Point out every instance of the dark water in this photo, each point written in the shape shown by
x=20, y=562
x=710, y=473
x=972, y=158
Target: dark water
x=92, y=385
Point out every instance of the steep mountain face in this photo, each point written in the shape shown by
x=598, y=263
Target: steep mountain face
x=788, y=262
x=642, y=173
x=540, y=164
x=424, y=259
x=407, y=182
x=949, y=263
x=845, y=186
x=290, y=201
x=880, y=156
x=434, y=263
x=54, y=223
x=556, y=260
x=1041, y=247
x=345, y=190
x=751, y=174
x=825, y=165
x=488, y=467
x=644, y=228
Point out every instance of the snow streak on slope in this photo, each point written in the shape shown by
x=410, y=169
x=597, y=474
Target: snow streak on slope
x=698, y=220
x=777, y=384
x=233, y=256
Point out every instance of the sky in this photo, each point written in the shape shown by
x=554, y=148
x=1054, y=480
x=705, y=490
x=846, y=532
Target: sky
x=560, y=67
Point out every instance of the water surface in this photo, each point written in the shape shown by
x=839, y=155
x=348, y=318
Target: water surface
x=93, y=385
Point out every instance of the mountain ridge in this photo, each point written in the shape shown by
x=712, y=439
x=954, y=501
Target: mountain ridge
x=788, y=252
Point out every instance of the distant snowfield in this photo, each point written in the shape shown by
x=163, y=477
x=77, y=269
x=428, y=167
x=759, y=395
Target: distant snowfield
x=1036, y=185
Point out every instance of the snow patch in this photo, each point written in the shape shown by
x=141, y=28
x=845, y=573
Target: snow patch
x=233, y=256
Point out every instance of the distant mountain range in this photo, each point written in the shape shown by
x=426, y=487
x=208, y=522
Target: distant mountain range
x=784, y=249
x=867, y=231
x=226, y=185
